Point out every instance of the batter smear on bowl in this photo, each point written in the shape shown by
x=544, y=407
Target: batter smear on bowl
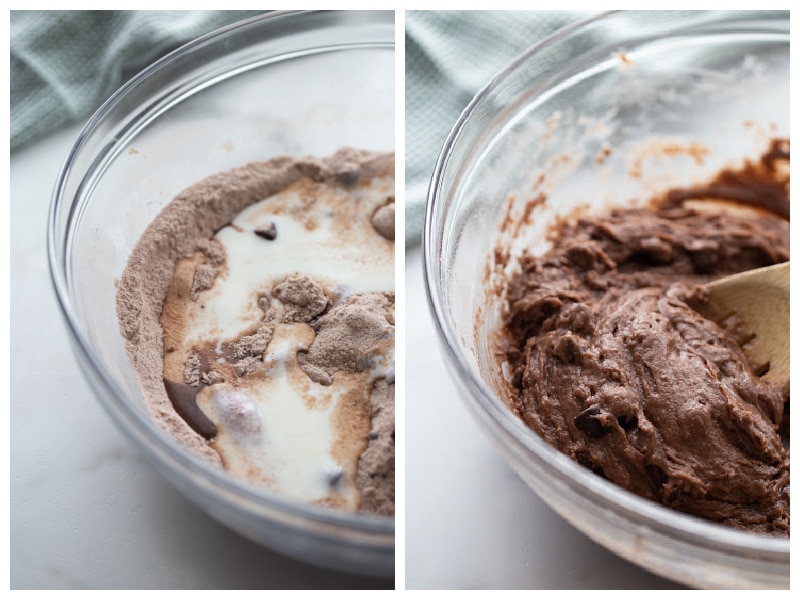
x=258, y=310
x=606, y=356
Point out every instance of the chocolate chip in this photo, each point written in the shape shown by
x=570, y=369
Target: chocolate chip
x=589, y=422
x=627, y=423
x=585, y=460
x=659, y=478
x=270, y=232
x=348, y=174
x=657, y=475
x=184, y=401
x=705, y=260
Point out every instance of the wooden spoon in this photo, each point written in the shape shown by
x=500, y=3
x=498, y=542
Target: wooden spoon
x=760, y=300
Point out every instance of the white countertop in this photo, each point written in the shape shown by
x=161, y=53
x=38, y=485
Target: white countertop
x=86, y=510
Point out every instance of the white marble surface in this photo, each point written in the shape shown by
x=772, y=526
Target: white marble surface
x=470, y=522
x=86, y=510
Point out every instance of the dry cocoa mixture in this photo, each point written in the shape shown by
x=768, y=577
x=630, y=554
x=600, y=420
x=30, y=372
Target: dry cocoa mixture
x=179, y=257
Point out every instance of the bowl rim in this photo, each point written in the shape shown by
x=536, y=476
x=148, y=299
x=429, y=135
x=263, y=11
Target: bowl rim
x=176, y=457
x=484, y=401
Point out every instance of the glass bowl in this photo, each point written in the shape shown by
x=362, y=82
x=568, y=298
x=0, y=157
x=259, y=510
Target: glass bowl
x=296, y=83
x=607, y=111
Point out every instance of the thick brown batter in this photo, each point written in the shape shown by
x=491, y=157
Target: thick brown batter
x=610, y=363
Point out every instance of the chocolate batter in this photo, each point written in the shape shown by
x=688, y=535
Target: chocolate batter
x=611, y=363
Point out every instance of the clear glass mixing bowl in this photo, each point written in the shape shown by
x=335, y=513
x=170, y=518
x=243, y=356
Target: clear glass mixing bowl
x=297, y=83
x=607, y=111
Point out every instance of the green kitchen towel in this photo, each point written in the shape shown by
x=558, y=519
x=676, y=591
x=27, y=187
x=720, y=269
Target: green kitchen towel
x=450, y=56
x=65, y=64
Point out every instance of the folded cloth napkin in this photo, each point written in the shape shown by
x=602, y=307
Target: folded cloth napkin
x=450, y=56
x=65, y=64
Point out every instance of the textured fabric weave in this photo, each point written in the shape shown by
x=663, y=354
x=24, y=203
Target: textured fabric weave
x=65, y=64
x=450, y=56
